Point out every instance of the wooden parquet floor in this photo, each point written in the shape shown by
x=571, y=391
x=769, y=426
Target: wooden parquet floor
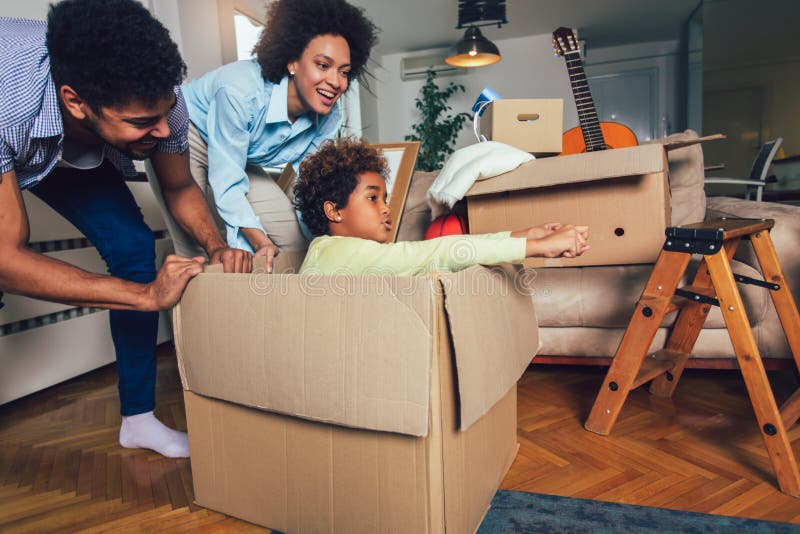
x=700, y=451
x=62, y=469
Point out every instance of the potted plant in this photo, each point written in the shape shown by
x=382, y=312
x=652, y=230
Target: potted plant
x=438, y=129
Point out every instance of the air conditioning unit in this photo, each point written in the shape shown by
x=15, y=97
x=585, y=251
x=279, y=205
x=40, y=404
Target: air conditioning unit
x=415, y=67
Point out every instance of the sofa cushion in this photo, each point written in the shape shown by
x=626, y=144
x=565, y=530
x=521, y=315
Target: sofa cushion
x=603, y=342
x=606, y=296
x=686, y=179
x=785, y=235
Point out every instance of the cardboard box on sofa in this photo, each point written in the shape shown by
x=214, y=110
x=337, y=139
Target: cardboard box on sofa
x=354, y=404
x=621, y=194
x=534, y=125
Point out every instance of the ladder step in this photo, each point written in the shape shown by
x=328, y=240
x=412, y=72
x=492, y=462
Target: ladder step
x=657, y=364
x=790, y=411
x=653, y=301
x=677, y=303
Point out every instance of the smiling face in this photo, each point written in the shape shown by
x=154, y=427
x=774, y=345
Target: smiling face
x=367, y=213
x=134, y=128
x=321, y=76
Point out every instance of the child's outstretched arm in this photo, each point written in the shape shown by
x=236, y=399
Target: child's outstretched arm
x=350, y=255
x=564, y=240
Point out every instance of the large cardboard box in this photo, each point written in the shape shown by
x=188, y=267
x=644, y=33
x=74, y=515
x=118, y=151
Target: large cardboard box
x=621, y=194
x=353, y=404
x=534, y=125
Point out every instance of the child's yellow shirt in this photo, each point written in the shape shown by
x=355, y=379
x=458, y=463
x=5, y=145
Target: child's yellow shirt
x=355, y=256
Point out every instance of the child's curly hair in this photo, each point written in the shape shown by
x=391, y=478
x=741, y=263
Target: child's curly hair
x=331, y=175
x=292, y=24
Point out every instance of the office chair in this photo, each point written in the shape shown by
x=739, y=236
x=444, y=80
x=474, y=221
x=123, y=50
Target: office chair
x=758, y=172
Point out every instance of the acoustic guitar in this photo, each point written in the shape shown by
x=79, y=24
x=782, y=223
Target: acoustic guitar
x=592, y=134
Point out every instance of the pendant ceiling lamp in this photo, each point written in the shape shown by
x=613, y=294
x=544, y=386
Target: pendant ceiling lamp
x=475, y=50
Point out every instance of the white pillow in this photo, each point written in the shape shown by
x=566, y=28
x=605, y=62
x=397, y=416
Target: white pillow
x=469, y=164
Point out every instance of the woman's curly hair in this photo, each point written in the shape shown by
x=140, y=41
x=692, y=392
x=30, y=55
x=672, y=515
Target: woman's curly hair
x=112, y=52
x=292, y=24
x=331, y=175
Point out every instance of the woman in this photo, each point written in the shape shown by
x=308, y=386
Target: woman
x=269, y=111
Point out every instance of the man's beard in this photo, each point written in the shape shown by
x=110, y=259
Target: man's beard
x=92, y=125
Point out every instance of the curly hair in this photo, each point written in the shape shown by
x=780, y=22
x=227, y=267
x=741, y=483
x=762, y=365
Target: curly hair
x=332, y=174
x=112, y=52
x=292, y=24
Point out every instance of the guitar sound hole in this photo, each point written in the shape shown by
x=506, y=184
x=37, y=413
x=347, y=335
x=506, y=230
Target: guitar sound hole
x=619, y=232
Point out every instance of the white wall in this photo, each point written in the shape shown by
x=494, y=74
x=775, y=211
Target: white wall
x=30, y=9
x=529, y=69
x=200, y=34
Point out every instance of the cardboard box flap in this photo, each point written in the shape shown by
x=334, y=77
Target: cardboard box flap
x=672, y=145
x=319, y=347
x=494, y=330
x=632, y=161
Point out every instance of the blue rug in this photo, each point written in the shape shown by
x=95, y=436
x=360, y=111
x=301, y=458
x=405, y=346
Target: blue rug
x=518, y=512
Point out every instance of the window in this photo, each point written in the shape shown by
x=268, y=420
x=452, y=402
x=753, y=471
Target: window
x=350, y=104
x=247, y=32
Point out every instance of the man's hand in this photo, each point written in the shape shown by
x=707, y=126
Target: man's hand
x=166, y=290
x=233, y=260
x=25, y=272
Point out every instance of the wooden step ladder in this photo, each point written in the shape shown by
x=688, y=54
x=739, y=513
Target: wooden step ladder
x=713, y=285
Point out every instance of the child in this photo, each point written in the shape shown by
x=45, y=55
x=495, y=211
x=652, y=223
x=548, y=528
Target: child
x=341, y=196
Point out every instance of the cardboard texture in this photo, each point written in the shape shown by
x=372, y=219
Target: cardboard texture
x=353, y=404
x=315, y=355
x=534, y=125
x=621, y=194
x=490, y=306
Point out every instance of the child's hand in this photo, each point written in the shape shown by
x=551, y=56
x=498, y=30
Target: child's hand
x=581, y=242
x=538, y=232
x=543, y=230
x=567, y=241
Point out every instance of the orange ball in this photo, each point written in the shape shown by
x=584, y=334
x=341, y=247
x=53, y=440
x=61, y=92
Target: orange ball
x=450, y=224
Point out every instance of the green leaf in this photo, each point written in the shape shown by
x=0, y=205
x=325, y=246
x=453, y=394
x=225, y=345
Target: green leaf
x=437, y=131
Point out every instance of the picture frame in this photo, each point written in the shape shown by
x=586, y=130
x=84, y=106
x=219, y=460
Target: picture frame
x=401, y=158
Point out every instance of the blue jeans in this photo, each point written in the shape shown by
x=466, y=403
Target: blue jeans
x=101, y=206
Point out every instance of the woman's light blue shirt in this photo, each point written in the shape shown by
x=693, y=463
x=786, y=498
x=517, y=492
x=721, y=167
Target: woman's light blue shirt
x=244, y=120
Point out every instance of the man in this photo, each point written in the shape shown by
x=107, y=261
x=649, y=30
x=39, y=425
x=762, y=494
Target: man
x=80, y=97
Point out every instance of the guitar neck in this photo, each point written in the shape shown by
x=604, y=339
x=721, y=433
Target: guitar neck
x=587, y=114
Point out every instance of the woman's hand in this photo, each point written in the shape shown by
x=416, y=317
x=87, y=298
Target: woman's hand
x=269, y=251
x=262, y=244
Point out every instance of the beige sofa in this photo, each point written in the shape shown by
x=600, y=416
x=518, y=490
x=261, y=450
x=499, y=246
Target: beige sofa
x=583, y=311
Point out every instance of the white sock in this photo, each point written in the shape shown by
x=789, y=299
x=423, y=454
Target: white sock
x=145, y=431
